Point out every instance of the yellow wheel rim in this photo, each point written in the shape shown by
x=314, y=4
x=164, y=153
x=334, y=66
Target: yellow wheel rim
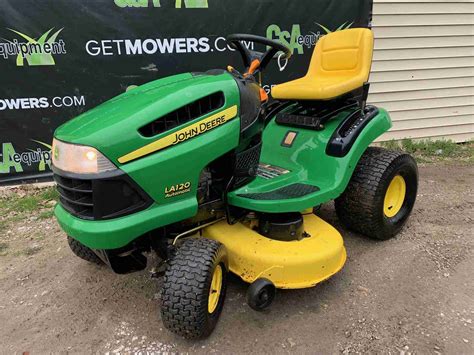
x=215, y=291
x=394, y=196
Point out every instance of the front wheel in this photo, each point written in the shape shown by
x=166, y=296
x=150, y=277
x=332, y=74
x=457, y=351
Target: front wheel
x=381, y=194
x=194, y=288
x=83, y=252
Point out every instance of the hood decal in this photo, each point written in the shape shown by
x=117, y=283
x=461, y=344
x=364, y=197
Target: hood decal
x=205, y=125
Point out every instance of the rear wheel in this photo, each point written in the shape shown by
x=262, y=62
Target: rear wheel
x=83, y=252
x=381, y=194
x=194, y=288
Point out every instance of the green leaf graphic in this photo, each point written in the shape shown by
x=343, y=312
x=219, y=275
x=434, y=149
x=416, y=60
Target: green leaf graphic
x=344, y=26
x=36, y=58
x=327, y=30
x=42, y=143
x=193, y=4
x=29, y=39
x=42, y=39
x=42, y=163
x=341, y=26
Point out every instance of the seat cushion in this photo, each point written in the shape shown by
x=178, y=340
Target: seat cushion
x=325, y=88
x=340, y=63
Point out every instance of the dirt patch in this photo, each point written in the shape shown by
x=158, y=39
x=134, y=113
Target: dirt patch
x=412, y=294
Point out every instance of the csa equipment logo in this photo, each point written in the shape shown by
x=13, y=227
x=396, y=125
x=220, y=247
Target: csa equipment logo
x=12, y=161
x=31, y=51
x=296, y=41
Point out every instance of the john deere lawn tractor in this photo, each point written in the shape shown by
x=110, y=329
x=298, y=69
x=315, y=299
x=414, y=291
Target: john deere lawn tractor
x=212, y=175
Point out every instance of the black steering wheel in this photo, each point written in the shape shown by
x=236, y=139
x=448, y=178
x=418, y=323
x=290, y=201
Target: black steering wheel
x=249, y=56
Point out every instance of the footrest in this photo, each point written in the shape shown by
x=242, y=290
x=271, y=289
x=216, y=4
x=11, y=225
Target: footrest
x=284, y=193
x=299, y=121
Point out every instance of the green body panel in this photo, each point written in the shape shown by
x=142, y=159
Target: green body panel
x=308, y=163
x=112, y=128
x=176, y=165
x=118, y=232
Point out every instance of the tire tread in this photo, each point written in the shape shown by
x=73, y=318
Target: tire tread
x=83, y=252
x=357, y=207
x=185, y=288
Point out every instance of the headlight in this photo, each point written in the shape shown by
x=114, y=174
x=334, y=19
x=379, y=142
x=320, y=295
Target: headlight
x=79, y=159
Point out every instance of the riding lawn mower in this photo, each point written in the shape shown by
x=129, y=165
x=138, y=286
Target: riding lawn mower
x=214, y=176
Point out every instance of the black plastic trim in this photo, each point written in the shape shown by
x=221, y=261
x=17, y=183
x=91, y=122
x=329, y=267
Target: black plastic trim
x=348, y=131
x=284, y=193
x=63, y=186
x=77, y=202
x=250, y=105
x=299, y=121
x=274, y=107
x=102, y=196
x=94, y=176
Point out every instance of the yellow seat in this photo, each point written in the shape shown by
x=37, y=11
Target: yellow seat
x=340, y=64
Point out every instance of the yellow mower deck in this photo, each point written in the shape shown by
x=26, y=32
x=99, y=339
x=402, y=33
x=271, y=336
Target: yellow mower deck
x=290, y=265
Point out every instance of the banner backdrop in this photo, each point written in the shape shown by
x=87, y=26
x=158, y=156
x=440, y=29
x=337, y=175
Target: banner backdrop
x=59, y=58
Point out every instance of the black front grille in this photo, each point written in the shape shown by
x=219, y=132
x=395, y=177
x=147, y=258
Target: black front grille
x=76, y=196
x=102, y=198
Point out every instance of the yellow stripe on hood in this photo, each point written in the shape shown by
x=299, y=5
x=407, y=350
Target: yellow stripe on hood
x=183, y=134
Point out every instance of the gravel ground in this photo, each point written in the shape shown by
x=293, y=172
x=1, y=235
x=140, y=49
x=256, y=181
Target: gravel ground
x=412, y=294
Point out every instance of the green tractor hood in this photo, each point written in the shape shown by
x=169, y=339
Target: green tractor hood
x=112, y=128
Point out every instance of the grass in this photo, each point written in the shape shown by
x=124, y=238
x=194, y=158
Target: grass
x=426, y=151
x=23, y=208
x=3, y=249
x=31, y=250
x=46, y=214
x=31, y=202
x=17, y=206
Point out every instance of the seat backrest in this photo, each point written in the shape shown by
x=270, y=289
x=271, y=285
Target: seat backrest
x=345, y=53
